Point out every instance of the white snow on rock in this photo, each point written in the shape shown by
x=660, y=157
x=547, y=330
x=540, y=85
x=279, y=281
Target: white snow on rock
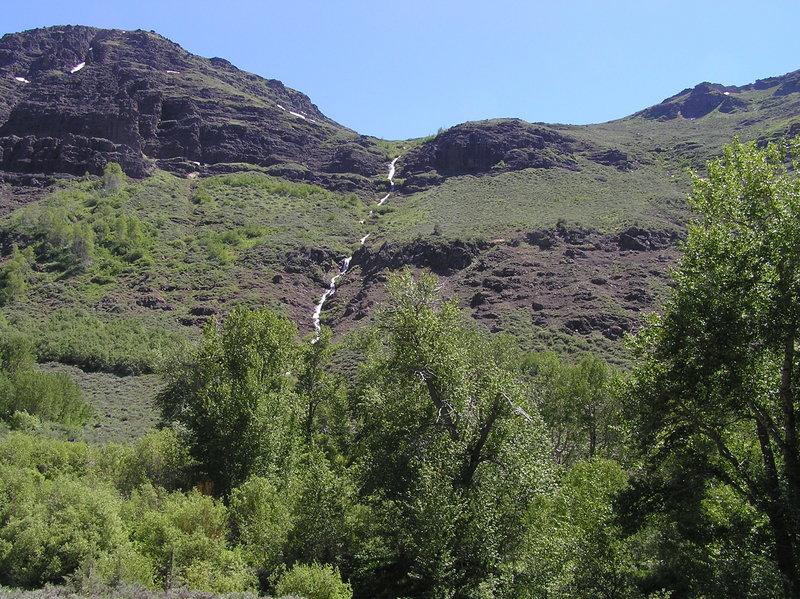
x=281, y=107
x=21, y=79
x=77, y=67
x=297, y=114
x=363, y=239
x=172, y=72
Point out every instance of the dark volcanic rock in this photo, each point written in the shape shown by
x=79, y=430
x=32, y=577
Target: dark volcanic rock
x=694, y=103
x=480, y=147
x=441, y=257
x=310, y=261
x=644, y=239
x=139, y=98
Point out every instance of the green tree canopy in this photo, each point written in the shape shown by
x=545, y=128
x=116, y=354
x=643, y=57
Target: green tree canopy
x=718, y=384
x=451, y=459
x=235, y=398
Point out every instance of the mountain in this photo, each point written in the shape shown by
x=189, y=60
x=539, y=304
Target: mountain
x=73, y=98
x=241, y=191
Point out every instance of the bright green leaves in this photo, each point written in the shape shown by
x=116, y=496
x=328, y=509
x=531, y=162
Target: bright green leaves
x=716, y=392
x=235, y=398
x=452, y=459
x=578, y=404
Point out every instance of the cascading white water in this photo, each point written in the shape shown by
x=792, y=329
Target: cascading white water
x=346, y=262
x=391, y=182
x=329, y=292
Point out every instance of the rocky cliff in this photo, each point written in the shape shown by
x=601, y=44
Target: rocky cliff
x=73, y=98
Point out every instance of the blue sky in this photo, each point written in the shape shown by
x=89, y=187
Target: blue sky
x=404, y=69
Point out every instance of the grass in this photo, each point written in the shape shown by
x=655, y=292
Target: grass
x=123, y=405
x=597, y=197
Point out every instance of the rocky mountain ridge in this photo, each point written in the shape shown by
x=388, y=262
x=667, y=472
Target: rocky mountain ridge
x=555, y=230
x=74, y=98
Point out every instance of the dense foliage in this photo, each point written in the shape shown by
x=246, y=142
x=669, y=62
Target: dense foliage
x=448, y=464
x=716, y=393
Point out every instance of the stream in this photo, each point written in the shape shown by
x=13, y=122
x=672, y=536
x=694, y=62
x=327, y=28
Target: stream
x=345, y=266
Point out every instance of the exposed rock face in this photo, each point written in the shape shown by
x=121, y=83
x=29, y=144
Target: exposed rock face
x=694, y=103
x=507, y=144
x=139, y=98
x=443, y=258
x=573, y=280
x=497, y=146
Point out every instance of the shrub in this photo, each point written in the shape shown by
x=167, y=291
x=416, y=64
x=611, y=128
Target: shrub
x=185, y=535
x=315, y=581
x=159, y=458
x=14, y=275
x=122, y=346
x=113, y=178
x=60, y=525
x=20, y=420
x=53, y=397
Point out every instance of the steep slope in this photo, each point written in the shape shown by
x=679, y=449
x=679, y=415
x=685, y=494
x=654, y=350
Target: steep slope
x=73, y=98
x=562, y=235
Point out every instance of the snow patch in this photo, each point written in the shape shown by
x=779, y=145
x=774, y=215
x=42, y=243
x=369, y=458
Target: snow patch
x=77, y=67
x=21, y=79
x=297, y=114
x=173, y=72
x=281, y=107
x=363, y=239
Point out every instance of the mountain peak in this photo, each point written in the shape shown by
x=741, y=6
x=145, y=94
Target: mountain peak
x=73, y=98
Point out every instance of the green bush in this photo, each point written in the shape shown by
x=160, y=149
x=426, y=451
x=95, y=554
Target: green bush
x=53, y=397
x=159, y=458
x=121, y=346
x=14, y=276
x=262, y=518
x=22, y=421
x=49, y=457
x=186, y=537
x=315, y=581
x=55, y=528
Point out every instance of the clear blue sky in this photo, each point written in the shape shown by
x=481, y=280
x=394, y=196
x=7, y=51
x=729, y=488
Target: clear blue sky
x=403, y=69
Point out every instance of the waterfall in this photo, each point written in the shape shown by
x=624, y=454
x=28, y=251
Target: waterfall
x=345, y=266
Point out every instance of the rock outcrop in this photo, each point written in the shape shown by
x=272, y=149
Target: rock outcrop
x=74, y=98
x=697, y=102
x=480, y=147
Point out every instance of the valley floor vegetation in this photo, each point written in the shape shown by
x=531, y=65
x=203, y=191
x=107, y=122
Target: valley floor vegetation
x=442, y=463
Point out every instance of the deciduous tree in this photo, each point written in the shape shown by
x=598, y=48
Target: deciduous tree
x=719, y=378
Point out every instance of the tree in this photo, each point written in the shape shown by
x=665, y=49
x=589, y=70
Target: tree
x=235, y=398
x=113, y=178
x=718, y=382
x=576, y=547
x=451, y=461
x=577, y=404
